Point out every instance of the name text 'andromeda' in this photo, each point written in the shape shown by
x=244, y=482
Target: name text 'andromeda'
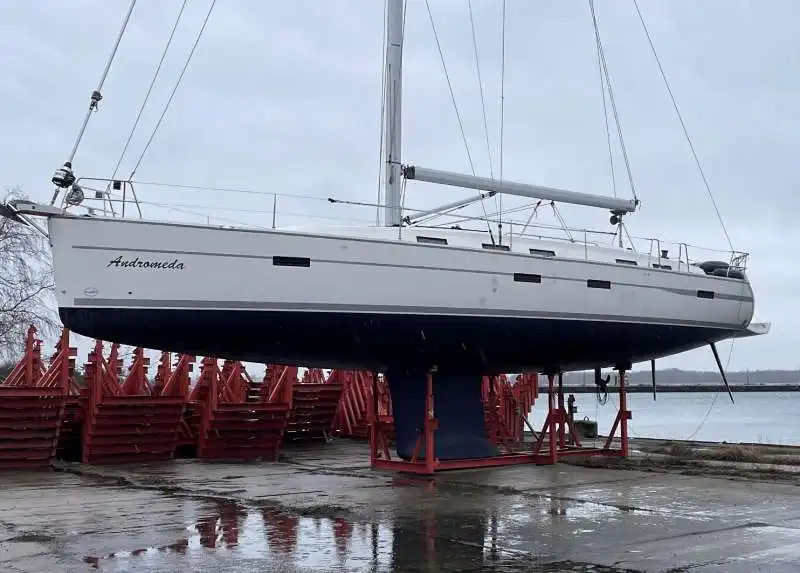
x=137, y=263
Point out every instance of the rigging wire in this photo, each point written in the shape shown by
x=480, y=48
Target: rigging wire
x=183, y=187
x=246, y=210
x=612, y=100
x=174, y=89
x=480, y=88
x=502, y=117
x=683, y=124
x=455, y=107
x=463, y=218
x=96, y=94
x=450, y=88
x=211, y=188
x=605, y=105
x=149, y=90
x=320, y=199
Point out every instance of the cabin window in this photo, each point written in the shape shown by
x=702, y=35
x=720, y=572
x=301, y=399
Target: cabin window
x=431, y=240
x=627, y=262
x=492, y=247
x=291, y=261
x=705, y=294
x=593, y=283
x=665, y=267
x=527, y=278
x=542, y=252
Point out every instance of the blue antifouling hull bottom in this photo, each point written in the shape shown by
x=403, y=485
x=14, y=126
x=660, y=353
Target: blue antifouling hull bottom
x=456, y=404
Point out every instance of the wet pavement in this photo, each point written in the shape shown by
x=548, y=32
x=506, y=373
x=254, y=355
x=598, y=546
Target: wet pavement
x=324, y=510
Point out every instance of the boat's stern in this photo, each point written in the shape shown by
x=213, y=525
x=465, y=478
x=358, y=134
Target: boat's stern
x=754, y=329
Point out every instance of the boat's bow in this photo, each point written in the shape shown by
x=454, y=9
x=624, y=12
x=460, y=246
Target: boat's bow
x=16, y=207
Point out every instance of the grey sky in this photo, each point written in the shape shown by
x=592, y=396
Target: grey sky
x=285, y=97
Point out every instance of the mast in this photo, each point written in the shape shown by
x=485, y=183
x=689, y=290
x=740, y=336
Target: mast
x=393, y=112
x=396, y=174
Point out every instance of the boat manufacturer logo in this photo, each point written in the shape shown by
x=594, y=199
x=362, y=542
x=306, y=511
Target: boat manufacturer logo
x=90, y=292
x=137, y=263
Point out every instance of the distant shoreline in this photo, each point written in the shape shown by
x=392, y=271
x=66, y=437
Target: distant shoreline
x=682, y=388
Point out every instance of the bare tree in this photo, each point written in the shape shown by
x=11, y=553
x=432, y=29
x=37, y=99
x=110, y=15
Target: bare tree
x=26, y=284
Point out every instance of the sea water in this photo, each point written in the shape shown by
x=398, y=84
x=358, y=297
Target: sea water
x=756, y=417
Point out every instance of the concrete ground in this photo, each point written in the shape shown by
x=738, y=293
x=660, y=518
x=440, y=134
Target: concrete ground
x=324, y=510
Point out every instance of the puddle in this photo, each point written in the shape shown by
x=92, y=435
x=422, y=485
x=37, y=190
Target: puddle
x=233, y=536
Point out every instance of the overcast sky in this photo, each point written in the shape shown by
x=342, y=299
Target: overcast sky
x=285, y=97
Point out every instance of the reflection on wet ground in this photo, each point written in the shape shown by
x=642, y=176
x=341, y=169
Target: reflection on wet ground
x=231, y=532
x=292, y=517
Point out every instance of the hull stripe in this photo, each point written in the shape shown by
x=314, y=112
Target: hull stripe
x=409, y=311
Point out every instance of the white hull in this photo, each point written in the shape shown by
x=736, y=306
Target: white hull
x=230, y=269
x=137, y=266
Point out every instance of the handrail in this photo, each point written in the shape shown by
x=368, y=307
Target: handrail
x=736, y=259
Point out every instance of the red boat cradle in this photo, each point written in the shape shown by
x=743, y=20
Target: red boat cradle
x=380, y=458
x=506, y=407
x=230, y=427
x=353, y=417
x=32, y=401
x=315, y=400
x=552, y=442
x=126, y=422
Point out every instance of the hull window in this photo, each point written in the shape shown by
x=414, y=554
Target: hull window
x=291, y=261
x=592, y=283
x=527, y=278
x=495, y=247
x=542, y=252
x=665, y=267
x=627, y=262
x=431, y=240
x=705, y=294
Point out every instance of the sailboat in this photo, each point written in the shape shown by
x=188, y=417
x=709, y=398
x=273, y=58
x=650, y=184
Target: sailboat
x=396, y=294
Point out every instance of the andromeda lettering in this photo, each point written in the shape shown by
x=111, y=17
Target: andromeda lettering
x=137, y=263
